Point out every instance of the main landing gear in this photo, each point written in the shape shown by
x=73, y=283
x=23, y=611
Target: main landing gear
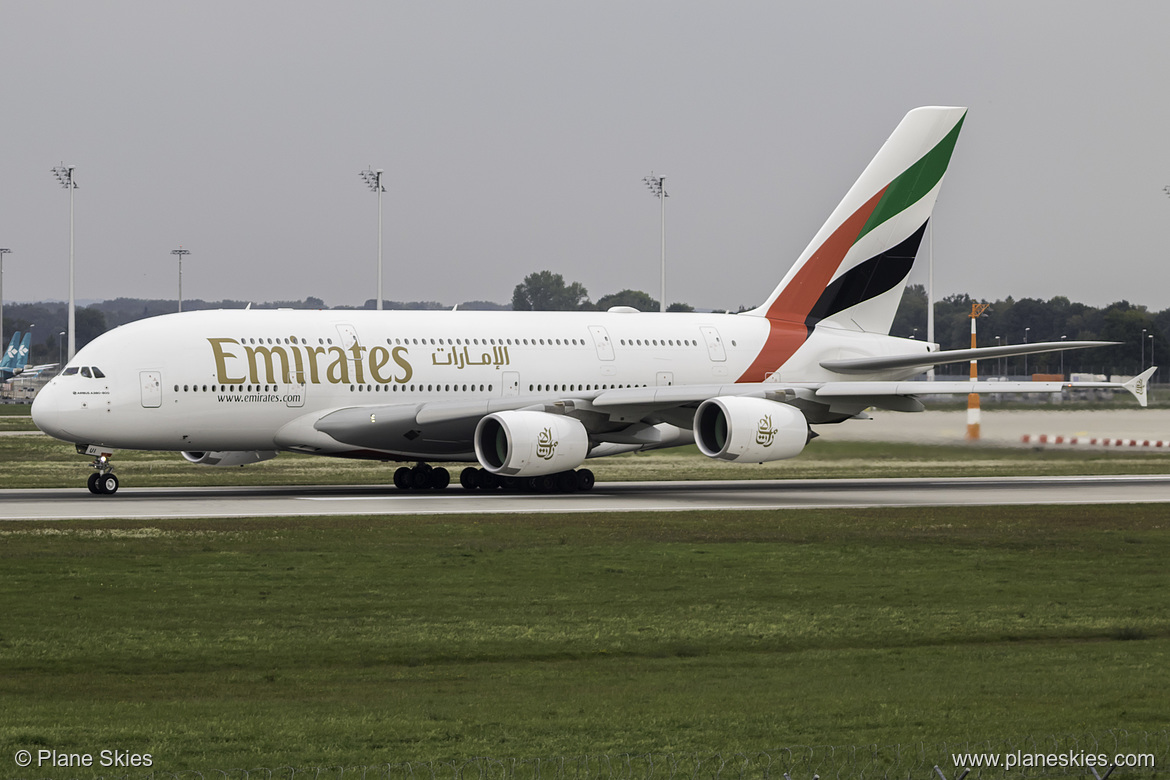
x=421, y=477
x=563, y=482
x=102, y=482
x=425, y=477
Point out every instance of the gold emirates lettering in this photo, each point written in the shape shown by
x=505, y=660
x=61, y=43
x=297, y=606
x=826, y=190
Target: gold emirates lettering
x=313, y=365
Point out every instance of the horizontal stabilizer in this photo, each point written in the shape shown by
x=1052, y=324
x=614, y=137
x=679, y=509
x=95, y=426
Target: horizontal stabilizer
x=927, y=359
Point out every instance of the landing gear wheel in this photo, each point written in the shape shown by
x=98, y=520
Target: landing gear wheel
x=402, y=479
x=107, y=484
x=439, y=479
x=92, y=483
x=488, y=480
x=585, y=479
x=469, y=478
x=566, y=482
x=420, y=477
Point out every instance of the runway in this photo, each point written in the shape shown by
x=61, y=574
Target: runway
x=177, y=503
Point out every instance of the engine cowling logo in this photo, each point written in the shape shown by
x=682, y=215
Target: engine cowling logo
x=546, y=447
x=765, y=433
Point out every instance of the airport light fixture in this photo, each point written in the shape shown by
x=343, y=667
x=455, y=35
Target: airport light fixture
x=179, y=253
x=1151, y=338
x=657, y=185
x=1142, y=367
x=64, y=174
x=60, y=338
x=3, y=251
x=373, y=180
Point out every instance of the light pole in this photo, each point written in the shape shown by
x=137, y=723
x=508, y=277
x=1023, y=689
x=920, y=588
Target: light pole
x=179, y=253
x=1151, y=338
x=997, y=340
x=1026, y=354
x=1062, y=338
x=64, y=174
x=657, y=185
x=373, y=180
x=3, y=252
x=60, y=338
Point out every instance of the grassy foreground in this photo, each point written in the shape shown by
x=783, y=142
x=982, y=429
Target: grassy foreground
x=243, y=643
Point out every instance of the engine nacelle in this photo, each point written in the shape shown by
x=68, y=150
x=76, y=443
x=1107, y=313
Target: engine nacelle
x=530, y=444
x=229, y=457
x=752, y=430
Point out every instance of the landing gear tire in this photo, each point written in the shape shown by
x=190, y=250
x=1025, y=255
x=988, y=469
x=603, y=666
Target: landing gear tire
x=585, y=479
x=402, y=479
x=107, y=484
x=439, y=479
x=92, y=483
x=469, y=478
x=566, y=482
x=488, y=480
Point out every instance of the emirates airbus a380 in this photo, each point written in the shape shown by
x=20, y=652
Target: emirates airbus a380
x=529, y=396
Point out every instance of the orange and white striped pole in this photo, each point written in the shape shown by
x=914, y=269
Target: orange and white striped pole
x=973, y=398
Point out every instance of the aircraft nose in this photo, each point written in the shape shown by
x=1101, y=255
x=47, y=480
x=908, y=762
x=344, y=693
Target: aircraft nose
x=48, y=410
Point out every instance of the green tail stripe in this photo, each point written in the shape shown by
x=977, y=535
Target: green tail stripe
x=915, y=181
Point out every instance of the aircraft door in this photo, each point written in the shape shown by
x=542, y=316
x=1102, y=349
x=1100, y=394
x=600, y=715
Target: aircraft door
x=510, y=383
x=151, y=382
x=601, y=342
x=295, y=392
x=714, y=344
x=349, y=337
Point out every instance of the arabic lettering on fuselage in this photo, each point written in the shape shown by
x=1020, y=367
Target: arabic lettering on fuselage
x=461, y=359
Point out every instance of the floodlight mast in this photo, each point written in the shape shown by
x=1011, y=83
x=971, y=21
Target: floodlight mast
x=373, y=180
x=3, y=251
x=64, y=174
x=657, y=185
x=180, y=252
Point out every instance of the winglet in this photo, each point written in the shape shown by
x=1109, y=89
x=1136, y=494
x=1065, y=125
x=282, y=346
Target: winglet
x=1140, y=384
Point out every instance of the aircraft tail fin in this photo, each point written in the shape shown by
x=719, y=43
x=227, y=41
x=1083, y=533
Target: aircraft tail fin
x=853, y=272
x=10, y=353
x=22, y=352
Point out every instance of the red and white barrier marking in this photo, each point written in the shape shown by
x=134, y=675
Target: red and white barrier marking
x=1045, y=438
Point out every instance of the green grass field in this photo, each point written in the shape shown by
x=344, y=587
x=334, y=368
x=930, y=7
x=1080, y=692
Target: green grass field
x=358, y=641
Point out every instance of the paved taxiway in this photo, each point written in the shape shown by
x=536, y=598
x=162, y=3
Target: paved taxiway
x=161, y=503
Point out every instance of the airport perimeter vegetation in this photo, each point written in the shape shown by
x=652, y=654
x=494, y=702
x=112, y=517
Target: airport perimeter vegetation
x=362, y=641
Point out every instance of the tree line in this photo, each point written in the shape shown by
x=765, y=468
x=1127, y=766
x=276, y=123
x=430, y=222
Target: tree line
x=1142, y=333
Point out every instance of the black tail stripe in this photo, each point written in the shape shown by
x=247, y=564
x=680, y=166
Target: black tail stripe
x=868, y=279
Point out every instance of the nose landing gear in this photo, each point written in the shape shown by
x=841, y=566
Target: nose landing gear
x=102, y=482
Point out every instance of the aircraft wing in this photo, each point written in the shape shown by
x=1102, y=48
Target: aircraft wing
x=927, y=359
x=624, y=414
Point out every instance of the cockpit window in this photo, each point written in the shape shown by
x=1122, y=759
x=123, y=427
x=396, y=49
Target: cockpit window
x=97, y=373
x=85, y=372
x=70, y=371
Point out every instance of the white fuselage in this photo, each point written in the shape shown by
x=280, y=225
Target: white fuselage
x=235, y=379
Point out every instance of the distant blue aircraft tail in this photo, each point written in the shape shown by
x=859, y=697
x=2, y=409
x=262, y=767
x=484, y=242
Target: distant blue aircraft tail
x=12, y=351
x=22, y=352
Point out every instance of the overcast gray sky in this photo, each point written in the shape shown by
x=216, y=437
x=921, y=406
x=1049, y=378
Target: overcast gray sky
x=515, y=135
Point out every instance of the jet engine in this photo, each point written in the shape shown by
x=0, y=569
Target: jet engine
x=530, y=444
x=750, y=430
x=229, y=457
